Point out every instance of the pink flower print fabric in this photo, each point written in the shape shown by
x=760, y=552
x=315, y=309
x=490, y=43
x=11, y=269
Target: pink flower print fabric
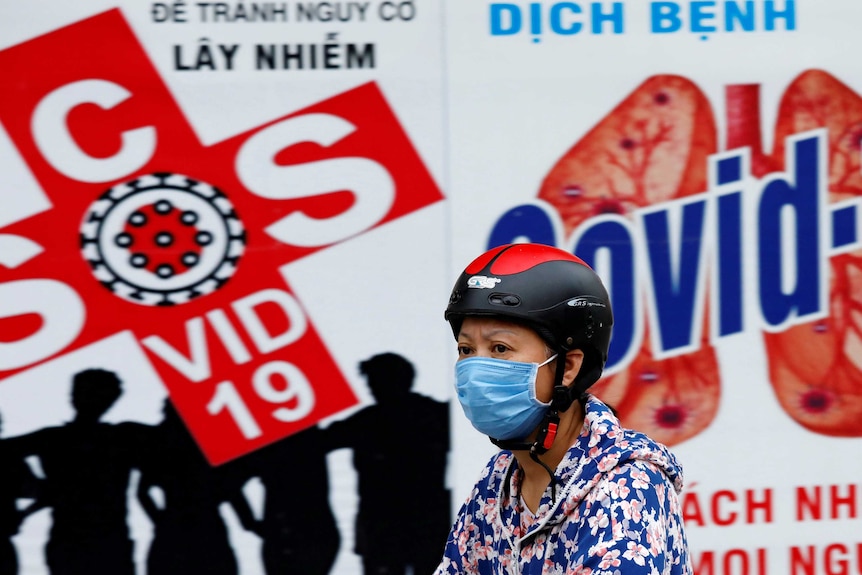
x=613, y=509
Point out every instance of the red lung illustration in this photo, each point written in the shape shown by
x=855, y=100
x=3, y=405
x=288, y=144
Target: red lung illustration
x=651, y=148
x=816, y=368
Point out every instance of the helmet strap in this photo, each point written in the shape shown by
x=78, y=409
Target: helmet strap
x=547, y=433
x=560, y=401
x=511, y=444
x=563, y=396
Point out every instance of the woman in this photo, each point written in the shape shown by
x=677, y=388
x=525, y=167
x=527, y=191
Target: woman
x=570, y=491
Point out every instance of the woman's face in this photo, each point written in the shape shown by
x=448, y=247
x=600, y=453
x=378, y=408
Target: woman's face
x=495, y=338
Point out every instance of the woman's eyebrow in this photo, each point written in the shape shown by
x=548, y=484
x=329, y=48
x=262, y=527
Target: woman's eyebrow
x=498, y=331
x=488, y=334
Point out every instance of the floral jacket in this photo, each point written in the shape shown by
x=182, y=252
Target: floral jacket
x=612, y=509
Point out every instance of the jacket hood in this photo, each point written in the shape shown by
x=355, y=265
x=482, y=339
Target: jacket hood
x=604, y=445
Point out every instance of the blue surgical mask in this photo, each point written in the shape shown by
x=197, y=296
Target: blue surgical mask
x=499, y=396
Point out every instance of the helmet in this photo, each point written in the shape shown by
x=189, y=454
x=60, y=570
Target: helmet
x=545, y=288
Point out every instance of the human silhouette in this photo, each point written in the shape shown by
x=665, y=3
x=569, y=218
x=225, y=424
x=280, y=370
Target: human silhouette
x=16, y=481
x=87, y=466
x=189, y=535
x=299, y=531
x=400, y=447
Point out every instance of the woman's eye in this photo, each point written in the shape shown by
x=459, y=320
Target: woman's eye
x=463, y=350
x=500, y=348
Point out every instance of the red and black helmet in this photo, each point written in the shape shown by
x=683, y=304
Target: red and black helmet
x=545, y=288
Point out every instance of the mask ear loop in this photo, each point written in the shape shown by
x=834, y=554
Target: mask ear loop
x=561, y=401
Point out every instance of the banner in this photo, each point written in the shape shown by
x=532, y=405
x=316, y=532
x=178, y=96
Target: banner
x=705, y=158
x=228, y=231
x=226, y=206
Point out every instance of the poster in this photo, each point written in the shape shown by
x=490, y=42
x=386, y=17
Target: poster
x=705, y=157
x=313, y=176
x=181, y=208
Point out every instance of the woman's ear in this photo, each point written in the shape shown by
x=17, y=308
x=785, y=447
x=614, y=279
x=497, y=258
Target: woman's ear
x=574, y=361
